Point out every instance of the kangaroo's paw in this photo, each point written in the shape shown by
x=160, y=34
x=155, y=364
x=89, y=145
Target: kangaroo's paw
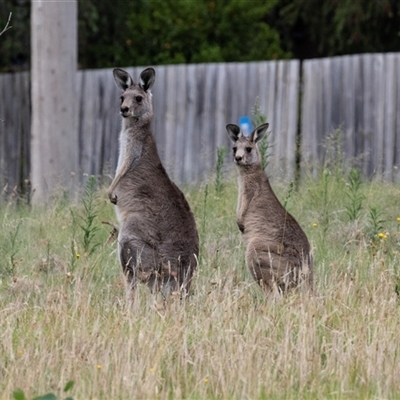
x=114, y=233
x=113, y=197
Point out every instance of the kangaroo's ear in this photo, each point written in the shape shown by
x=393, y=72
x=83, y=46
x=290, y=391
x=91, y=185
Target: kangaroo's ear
x=122, y=79
x=259, y=132
x=147, y=79
x=233, y=132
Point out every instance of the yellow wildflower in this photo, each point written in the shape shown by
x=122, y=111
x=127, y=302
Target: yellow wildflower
x=205, y=380
x=314, y=225
x=398, y=219
x=98, y=366
x=382, y=235
x=78, y=255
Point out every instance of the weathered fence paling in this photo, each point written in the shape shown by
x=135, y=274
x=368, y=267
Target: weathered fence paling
x=15, y=119
x=360, y=95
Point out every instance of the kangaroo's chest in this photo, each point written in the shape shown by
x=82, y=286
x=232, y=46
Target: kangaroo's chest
x=249, y=194
x=130, y=152
x=257, y=211
x=246, y=197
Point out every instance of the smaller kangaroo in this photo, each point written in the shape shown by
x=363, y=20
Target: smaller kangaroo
x=277, y=249
x=158, y=243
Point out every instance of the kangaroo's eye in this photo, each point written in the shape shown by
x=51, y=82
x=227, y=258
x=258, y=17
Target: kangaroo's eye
x=248, y=149
x=139, y=99
x=234, y=150
x=122, y=99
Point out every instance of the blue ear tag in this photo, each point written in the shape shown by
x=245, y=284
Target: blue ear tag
x=245, y=125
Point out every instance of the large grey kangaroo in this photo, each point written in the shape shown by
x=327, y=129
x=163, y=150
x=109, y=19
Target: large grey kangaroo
x=277, y=250
x=158, y=243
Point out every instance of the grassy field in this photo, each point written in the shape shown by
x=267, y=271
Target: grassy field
x=65, y=313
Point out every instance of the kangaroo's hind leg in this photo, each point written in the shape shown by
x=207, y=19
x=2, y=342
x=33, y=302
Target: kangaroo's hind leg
x=177, y=275
x=140, y=262
x=169, y=277
x=270, y=268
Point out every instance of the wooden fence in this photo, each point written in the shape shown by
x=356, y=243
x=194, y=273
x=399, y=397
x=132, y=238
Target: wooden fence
x=360, y=96
x=193, y=103
x=15, y=119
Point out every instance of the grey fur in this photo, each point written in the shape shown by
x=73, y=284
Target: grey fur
x=277, y=249
x=158, y=242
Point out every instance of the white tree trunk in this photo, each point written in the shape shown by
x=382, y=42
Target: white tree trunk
x=54, y=132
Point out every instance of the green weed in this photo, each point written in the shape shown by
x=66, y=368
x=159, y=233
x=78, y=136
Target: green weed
x=221, y=153
x=19, y=394
x=289, y=194
x=88, y=217
x=334, y=157
x=353, y=193
x=10, y=248
x=258, y=118
x=376, y=224
x=326, y=209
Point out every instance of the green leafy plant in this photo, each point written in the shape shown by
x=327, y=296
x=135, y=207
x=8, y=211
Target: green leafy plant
x=10, y=248
x=258, y=118
x=397, y=286
x=264, y=151
x=73, y=246
x=203, y=225
x=334, y=157
x=356, y=198
x=14, y=247
x=203, y=222
x=375, y=223
x=20, y=395
x=90, y=212
x=221, y=152
x=326, y=203
x=289, y=194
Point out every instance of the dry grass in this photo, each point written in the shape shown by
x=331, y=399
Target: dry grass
x=67, y=316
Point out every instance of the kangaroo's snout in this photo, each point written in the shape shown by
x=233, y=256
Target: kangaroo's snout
x=124, y=111
x=238, y=159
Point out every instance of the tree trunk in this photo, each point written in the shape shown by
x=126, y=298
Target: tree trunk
x=54, y=132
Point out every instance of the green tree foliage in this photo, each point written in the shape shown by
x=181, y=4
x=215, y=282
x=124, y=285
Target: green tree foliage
x=102, y=32
x=153, y=32
x=180, y=31
x=321, y=28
